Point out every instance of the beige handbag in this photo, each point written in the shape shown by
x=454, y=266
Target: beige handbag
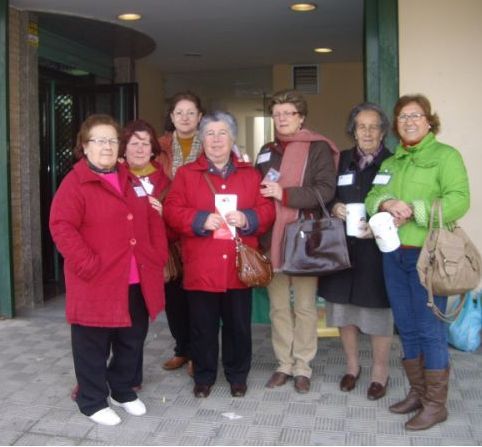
x=449, y=263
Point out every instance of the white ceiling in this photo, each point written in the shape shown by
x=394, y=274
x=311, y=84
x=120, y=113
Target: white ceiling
x=228, y=34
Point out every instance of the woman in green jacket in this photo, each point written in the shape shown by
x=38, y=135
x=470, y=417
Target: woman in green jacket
x=421, y=170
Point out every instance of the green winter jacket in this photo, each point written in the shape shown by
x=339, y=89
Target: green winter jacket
x=419, y=175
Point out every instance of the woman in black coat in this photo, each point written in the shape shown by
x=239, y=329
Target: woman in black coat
x=356, y=300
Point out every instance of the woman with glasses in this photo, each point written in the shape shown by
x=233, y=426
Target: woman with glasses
x=114, y=247
x=421, y=171
x=356, y=300
x=210, y=201
x=296, y=164
x=180, y=145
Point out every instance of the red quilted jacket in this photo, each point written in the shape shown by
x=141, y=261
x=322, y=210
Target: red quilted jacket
x=97, y=230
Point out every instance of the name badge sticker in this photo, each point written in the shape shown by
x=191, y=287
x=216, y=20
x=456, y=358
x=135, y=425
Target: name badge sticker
x=147, y=185
x=263, y=158
x=382, y=178
x=140, y=191
x=346, y=179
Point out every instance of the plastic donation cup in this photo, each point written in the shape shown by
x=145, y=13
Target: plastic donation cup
x=355, y=219
x=385, y=231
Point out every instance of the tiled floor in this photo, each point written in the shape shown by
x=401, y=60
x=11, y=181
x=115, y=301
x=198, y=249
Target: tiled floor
x=36, y=376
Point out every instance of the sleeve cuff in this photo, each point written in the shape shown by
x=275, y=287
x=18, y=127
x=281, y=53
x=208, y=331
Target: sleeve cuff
x=420, y=214
x=252, y=222
x=376, y=205
x=198, y=223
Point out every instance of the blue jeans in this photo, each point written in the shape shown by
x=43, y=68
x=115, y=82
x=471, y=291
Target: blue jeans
x=421, y=332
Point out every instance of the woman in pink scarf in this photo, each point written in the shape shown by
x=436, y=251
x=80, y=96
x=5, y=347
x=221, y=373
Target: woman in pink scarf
x=304, y=161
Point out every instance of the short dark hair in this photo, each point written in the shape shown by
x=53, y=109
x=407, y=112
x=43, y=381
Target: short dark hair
x=186, y=95
x=289, y=97
x=85, y=128
x=362, y=107
x=424, y=103
x=132, y=128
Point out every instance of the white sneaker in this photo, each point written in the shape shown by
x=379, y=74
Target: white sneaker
x=134, y=407
x=106, y=416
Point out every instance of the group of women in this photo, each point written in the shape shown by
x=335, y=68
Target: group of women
x=131, y=199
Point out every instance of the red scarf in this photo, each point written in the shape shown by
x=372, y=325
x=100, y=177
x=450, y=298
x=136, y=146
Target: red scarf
x=292, y=172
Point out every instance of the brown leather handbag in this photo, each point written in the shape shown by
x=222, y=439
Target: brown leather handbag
x=254, y=269
x=173, y=267
x=315, y=247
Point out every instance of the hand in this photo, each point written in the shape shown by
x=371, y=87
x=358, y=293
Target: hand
x=236, y=218
x=399, y=209
x=399, y=221
x=213, y=222
x=339, y=210
x=365, y=231
x=155, y=204
x=272, y=189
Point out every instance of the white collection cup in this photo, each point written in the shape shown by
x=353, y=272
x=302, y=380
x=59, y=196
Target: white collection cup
x=385, y=231
x=356, y=219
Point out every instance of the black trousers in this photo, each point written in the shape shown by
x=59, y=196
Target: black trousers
x=90, y=349
x=177, y=313
x=206, y=311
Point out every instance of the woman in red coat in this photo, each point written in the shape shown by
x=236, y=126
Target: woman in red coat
x=139, y=146
x=206, y=223
x=114, y=248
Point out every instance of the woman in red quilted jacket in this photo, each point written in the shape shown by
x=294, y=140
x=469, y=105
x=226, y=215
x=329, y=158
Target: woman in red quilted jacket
x=206, y=221
x=114, y=247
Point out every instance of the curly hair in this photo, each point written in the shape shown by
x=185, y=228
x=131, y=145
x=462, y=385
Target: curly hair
x=424, y=103
x=187, y=96
x=216, y=117
x=131, y=128
x=289, y=97
x=84, y=133
x=364, y=106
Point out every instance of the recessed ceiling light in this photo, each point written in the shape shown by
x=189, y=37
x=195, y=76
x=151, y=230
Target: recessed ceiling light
x=322, y=50
x=129, y=16
x=303, y=7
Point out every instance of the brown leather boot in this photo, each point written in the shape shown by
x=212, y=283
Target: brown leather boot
x=414, y=371
x=433, y=401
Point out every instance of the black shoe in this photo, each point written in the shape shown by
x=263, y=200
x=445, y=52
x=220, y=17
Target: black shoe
x=238, y=389
x=201, y=390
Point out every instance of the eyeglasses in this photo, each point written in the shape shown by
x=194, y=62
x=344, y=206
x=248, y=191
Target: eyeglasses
x=143, y=144
x=371, y=128
x=104, y=141
x=181, y=113
x=278, y=115
x=404, y=117
x=221, y=133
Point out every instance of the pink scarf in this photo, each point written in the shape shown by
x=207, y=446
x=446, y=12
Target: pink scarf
x=292, y=170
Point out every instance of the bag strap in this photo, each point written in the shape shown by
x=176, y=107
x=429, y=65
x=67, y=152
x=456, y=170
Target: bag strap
x=210, y=183
x=321, y=202
x=436, y=207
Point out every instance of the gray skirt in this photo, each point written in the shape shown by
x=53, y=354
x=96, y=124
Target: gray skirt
x=371, y=321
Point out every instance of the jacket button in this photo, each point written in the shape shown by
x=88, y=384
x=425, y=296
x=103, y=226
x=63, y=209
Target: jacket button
x=133, y=241
x=223, y=186
x=130, y=216
x=225, y=256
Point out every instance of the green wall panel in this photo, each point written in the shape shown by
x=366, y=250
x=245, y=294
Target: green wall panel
x=6, y=264
x=381, y=55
